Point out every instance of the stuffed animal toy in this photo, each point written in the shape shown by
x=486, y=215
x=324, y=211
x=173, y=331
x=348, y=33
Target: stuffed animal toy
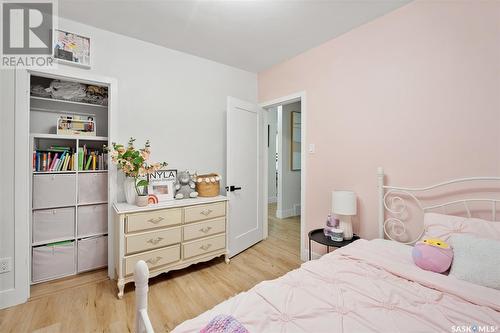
x=433, y=255
x=185, y=186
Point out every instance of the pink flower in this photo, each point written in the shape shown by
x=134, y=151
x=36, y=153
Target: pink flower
x=145, y=154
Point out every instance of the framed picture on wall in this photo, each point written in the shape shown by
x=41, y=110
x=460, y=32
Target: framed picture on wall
x=71, y=48
x=161, y=185
x=295, y=147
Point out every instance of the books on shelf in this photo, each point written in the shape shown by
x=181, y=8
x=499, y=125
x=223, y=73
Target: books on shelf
x=92, y=159
x=55, y=158
x=58, y=158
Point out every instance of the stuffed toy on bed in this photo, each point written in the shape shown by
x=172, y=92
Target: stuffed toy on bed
x=433, y=255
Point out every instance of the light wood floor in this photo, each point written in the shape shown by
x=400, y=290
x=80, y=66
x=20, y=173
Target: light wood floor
x=88, y=303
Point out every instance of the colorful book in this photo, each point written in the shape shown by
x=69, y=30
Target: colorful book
x=54, y=160
x=89, y=160
x=66, y=161
x=60, y=162
x=93, y=161
x=80, y=158
x=38, y=161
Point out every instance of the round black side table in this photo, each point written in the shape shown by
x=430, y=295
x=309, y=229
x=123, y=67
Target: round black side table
x=318, y=236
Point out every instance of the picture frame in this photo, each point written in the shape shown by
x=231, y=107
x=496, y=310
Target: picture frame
x=161, y=185
x=295, y=142
x=72, y=48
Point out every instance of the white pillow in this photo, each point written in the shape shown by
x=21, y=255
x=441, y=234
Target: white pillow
x=444, y=226
x=476, y=260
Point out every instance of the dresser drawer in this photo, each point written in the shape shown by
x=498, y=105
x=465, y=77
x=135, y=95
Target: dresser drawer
x=154, y=219
x=204, y=212
x=203, y=229
x=155, y=258
x=205, y=245
x=151, y=240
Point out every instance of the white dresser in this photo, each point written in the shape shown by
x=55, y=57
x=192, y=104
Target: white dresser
x=168, y=236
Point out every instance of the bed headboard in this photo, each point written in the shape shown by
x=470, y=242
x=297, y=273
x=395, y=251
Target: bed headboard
x=392, y=201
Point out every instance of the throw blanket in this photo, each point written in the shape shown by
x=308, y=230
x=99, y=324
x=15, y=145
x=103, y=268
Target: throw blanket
x=224, y=324
x=368, y=286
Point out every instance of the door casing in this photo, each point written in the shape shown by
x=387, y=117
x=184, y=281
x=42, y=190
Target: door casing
x=295, y=97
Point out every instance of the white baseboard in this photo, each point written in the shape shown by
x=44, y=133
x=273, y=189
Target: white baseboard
x=11, y=297
x=304, y=255
x=272, y=199
x=285, y=213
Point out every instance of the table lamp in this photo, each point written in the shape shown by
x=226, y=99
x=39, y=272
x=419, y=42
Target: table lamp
x=344, y=206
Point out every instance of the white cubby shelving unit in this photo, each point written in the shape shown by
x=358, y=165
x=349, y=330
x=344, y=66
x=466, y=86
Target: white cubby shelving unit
x=69, y=209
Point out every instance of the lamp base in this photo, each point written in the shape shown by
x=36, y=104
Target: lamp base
x=346, y=226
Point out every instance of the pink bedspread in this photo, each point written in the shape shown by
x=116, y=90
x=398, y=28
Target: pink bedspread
x=368, y=286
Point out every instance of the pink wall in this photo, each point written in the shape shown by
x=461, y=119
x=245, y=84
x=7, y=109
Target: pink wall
x=416, y=91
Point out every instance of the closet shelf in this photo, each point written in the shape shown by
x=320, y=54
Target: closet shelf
x=65, y=239
x=68, y=137
x=64, y=102
x=53, y=172
x=92, y=235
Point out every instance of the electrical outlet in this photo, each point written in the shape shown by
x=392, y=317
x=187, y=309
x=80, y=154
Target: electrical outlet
x=5, y=265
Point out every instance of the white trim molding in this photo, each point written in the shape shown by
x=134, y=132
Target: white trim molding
x=295, y=97
x=22, y=210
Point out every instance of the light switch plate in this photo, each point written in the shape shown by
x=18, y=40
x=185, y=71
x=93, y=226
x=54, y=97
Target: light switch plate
x=312, y=148
x=5, y=265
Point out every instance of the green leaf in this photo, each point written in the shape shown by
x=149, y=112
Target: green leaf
x=142, y=183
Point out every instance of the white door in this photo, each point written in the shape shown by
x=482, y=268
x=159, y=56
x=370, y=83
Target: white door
x=244, y=174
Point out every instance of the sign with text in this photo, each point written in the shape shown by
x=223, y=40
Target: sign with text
x=27, y=34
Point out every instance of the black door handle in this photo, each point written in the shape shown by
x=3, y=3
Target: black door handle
x=232, y=188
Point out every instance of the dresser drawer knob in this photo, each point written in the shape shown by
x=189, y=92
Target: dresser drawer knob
x=205, y=247
x=154, y=261
x=206, y=212
x=205, y=229
x=156, y=220
x=155, y=241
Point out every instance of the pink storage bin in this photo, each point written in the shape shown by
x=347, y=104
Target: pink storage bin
x=54, y=190
x=50, y=225
x=92, y=220
x=92, y=188
x=52, y=261
x=92, y=253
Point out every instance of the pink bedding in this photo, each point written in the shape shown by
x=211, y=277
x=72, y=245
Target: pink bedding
x=368, y=286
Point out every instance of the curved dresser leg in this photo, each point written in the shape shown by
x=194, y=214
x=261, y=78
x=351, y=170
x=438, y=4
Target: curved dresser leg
x=121, y=287
x=226, y=259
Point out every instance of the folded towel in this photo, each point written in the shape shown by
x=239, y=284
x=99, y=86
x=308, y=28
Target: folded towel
x=224, y=324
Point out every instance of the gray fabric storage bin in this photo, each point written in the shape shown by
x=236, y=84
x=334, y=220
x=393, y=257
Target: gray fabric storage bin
x=92, y=188
x=53, y=224
x=54, y=190
x=92, y=220
x=92, y=253
x=52, y=261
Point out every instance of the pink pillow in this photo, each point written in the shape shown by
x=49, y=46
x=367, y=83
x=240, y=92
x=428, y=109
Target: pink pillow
x=444, y=226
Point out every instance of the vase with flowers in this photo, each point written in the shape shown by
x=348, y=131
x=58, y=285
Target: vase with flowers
x=136, y=166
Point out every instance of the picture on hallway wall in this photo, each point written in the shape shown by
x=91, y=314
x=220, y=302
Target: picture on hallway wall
x=296, y=141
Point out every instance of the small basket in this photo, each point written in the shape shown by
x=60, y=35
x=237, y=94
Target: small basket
x=208, y=185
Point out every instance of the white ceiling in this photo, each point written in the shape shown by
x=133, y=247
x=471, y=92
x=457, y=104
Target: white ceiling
x=251, y=35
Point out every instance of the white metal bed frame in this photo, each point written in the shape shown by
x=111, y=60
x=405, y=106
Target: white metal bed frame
x=389, y=201
x=141, y=278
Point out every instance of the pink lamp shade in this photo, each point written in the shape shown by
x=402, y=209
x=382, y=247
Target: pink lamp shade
x=344, y=202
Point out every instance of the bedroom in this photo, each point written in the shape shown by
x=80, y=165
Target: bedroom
x=410, y=86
